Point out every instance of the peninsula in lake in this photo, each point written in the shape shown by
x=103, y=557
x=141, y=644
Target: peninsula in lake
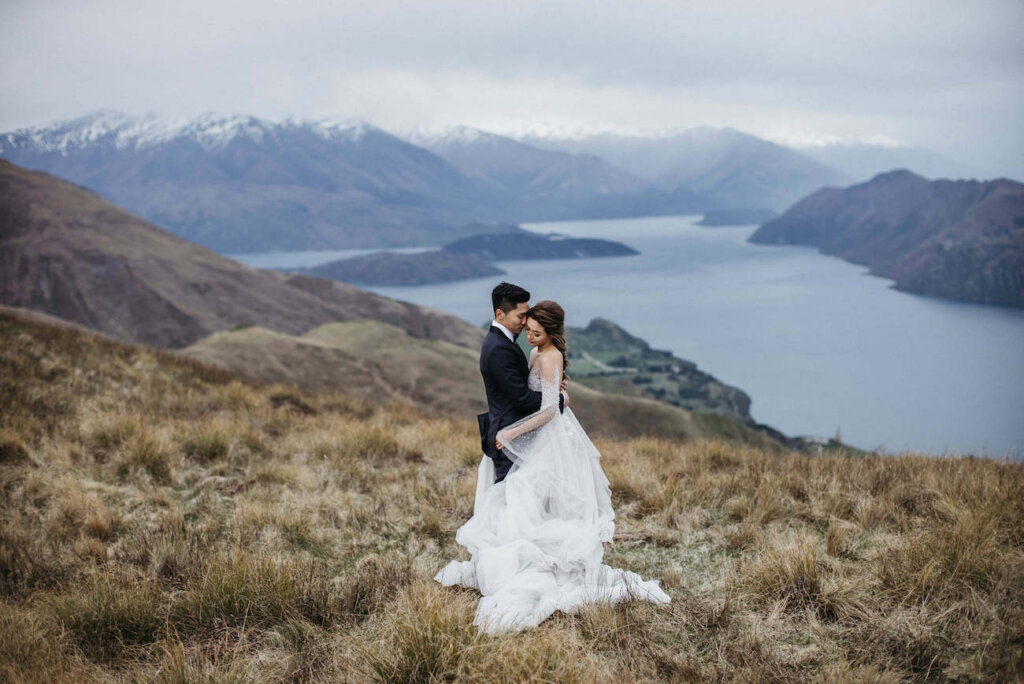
x=524, y=246
x=393, y=268
x=960, y=239
x=465, y=259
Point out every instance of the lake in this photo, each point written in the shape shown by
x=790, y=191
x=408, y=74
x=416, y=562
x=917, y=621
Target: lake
x=820, y=345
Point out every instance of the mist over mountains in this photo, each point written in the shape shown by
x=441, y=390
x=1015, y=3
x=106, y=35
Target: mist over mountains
x=244, y=184
x=538, y=183
x=729, y=168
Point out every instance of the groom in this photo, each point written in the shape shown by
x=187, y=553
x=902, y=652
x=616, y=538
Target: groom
x=505, y=370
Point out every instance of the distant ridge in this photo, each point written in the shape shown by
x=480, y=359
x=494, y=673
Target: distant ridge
x=955, y=239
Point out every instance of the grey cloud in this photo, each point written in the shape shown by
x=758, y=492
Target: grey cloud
x=928, y=71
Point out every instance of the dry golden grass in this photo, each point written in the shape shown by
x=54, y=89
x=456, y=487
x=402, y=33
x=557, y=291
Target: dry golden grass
x=163, y=521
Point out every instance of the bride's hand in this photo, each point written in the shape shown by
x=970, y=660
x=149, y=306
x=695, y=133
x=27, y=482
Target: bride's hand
x=499, y=440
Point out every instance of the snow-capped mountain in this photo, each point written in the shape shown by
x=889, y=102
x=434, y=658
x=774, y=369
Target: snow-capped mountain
x=121, y=131
x=240, y=183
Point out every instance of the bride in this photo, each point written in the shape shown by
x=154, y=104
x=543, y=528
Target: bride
x=535, y=538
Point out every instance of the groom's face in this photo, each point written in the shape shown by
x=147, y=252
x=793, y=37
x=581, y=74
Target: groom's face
x=515, y=318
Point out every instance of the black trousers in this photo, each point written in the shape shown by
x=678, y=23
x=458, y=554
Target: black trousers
x=502, y=464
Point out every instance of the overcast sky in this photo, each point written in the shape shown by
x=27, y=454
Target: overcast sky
x=943, y=74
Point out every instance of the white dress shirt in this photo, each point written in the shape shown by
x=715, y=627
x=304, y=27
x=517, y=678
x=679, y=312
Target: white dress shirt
x=508, y=333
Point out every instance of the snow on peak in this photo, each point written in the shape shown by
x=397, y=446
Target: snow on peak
x=352, y=130
x=91, y=129
x=451, y=135
x=211, y=131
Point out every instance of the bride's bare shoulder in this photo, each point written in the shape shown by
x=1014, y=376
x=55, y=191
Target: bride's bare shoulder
x=552, y=356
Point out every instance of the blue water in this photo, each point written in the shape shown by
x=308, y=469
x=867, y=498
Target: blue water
x=819, y=344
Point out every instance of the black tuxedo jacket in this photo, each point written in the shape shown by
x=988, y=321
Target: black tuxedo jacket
x=509, y=398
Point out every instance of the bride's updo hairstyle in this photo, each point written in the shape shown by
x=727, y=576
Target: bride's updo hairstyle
x=551, y=317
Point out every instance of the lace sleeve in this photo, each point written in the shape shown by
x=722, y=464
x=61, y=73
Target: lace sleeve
x=550, y=379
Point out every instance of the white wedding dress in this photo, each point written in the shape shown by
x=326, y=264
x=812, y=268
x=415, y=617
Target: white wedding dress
x=536, y=537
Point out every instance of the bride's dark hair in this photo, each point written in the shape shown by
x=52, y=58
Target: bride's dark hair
x=552, y=318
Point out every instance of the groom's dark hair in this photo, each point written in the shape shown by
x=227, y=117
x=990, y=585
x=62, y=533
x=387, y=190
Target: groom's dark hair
x=506, y=296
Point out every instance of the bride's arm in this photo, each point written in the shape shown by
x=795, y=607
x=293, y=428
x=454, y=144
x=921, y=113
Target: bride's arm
x=550, y=374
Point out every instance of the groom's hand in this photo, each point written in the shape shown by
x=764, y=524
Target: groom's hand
x=564, y=385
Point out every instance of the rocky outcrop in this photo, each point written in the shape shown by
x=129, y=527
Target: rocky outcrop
x=955, y=239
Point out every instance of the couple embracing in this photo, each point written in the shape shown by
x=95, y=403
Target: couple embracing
x=543, y=505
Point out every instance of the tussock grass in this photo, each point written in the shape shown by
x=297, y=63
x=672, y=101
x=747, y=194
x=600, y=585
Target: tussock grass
x=208, y=443
x=34, y=648
x=258, y=590
x=163, y=521
x=106, y=618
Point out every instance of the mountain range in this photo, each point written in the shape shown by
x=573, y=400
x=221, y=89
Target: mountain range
x=955, y=239
x=238, y=184
x=244, y=184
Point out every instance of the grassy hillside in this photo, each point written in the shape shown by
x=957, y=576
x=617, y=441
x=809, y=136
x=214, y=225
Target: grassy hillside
x=377, y=361
x=162, y=520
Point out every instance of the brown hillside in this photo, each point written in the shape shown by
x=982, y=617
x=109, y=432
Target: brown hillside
x=367, y=359
x=163, y=522
x=67, y=252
